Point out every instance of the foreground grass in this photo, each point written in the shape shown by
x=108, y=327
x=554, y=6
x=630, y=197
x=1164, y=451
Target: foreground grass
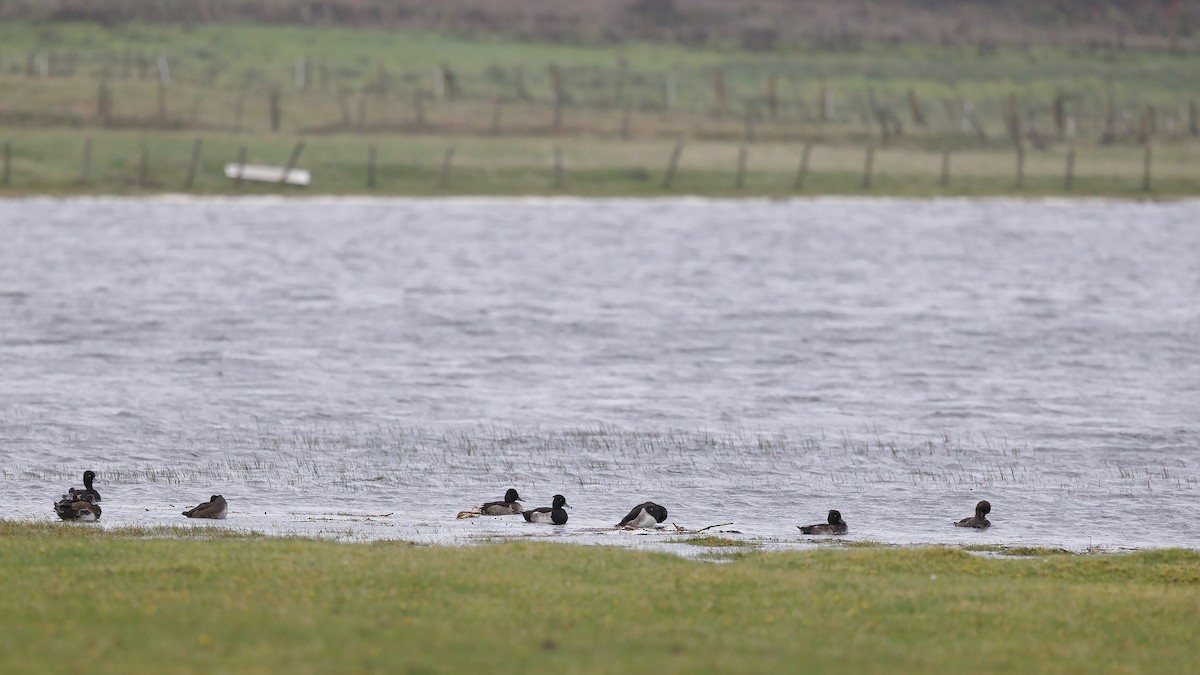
x=78, y=595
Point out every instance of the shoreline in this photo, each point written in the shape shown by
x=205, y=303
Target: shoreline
x=535, y=198
x=713, y=545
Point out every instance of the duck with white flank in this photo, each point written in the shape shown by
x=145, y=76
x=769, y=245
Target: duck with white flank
x=833, y=525
x=979, y=520
x=554, y=513
x=80, y=504
x=216, y=507
x=509, y=506
x=644, y=516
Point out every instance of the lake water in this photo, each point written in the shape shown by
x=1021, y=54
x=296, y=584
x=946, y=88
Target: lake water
x=323, y=363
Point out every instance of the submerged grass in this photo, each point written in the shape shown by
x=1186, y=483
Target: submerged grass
x=78, y=530
x=303, y=606
x=712, y=540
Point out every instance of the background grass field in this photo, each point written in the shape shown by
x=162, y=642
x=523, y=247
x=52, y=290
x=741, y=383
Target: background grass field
x=613, y=111
x=115, y=602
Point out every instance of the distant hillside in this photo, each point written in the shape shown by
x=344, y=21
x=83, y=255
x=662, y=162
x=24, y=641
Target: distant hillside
x=752, y=24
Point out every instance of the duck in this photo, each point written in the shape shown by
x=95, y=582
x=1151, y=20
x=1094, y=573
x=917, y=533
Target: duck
x=77, y=505
x=509, y=506
x=833, y=525
x=554, y=513
x=643, y=516
x=216, y=507
x=979, y=520
x=88, y=492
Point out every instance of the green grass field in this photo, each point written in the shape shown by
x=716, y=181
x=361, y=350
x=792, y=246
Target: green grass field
x=118, y=602
x=51, y=162
x=616, y=126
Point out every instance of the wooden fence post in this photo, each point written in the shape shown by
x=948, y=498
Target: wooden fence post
x=447, y=162
x=740, y=181
x=275, y=111
x=195, y=159
x=823, y=103
x=914, y=108
x=559, y=178
x=143, y=166
x=772, y=96
x=239, y=107
x=719, y=91
x=1069, y=178
x=241, y=163
x=556, y=78
x=622, y=75
x=291, y=163
x=418, y=109
x=343, y=95
x=802, y=172
x=371, y=166
x=1020, y=164
x=85, y=172
x=1147, y=161
x=868, y=166
x=162, y=104
x=104, y=104
x=945, y=177
x=496, y=110
x=674, y=162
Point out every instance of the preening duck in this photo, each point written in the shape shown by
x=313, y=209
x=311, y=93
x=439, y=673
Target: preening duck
x=979, y=520
x=509, y=506
x=80, y=504
x=554, y=513
x=644, y=516
x=77, y=505
x=833, y=525
x=216, y=507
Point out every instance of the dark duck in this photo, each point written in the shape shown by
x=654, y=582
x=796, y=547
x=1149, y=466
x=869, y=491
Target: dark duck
x=554, y=513
x=644, y=516
x=216, y=507
x=833, y=525
x=979, y=520
x=80, y=504
x=509, y=506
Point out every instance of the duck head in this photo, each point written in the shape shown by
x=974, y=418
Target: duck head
x=512, y=496
x=982, y=509
x=835, y=518
x=559, y=502
x=88, y=477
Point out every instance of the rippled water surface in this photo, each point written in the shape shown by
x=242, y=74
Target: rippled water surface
x=364, y=369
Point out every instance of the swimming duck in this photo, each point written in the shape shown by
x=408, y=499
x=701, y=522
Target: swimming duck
x=979, y=520
x=833, y=525
x=554, y=513
x=510, y=506
x=77, y=505
x=88, y=491
x=644, y=516
x=216, y=507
